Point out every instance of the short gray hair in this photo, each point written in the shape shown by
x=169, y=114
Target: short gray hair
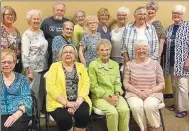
x=102, y=42
x=139, y=8
x=75, y=15
x=152, y=3
x=179, y=8
x=59, y=3
x=124, y=10
x=33, y=12
x=67, y=22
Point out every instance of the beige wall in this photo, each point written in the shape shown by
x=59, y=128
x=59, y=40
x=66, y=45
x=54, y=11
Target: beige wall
x=163, y=14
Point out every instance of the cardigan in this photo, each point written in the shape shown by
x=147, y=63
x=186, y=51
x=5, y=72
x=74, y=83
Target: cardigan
x=56, y=85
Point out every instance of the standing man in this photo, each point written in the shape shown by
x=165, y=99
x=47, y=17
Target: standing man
x=52, y=26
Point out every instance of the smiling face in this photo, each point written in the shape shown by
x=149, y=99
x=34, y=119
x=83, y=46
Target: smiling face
x=68, y=55
x=9, y=17
x=68, y=30
x=104, y=17
x=7, y=63
x=151, y=12
x=35, y=21
x=104, y=51
x=140, y=16
x=58, y=12
x=122, y=18
x=80, y=18
x=141, y=51
x=177, y=17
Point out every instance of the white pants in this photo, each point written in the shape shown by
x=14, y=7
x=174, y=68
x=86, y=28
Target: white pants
x=180, y=91
x=143, y=110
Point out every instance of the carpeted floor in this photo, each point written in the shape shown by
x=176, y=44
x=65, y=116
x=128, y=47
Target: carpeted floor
x=172, y=123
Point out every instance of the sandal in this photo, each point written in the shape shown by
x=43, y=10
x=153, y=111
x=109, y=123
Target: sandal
x=171, y=108
x=181, y=114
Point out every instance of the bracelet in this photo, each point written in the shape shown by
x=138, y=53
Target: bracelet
x=19, y=109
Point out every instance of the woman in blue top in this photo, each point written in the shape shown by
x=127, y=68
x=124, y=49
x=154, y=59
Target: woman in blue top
x=16, y=101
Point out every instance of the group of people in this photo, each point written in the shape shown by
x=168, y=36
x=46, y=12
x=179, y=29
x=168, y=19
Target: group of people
x=86, y=55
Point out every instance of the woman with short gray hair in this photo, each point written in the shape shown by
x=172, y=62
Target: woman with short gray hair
x=117, y=33
x=177, y=60
x=34, y=54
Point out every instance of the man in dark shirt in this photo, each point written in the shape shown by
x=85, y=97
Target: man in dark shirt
x=52, y=26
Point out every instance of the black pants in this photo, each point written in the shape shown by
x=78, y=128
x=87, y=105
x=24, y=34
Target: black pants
x=20, y=125
x=64, y=119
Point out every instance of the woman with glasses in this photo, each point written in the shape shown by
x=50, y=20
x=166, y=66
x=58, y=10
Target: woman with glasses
x=103, y=16
x=177, y=60
x=89, y=40
x=10, y=36
x=16, y=101
x=67, y=85
x=79, y=27
x=139, y=30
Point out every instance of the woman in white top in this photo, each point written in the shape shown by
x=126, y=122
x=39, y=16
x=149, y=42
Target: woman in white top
x=34, y=54
x=117, y=33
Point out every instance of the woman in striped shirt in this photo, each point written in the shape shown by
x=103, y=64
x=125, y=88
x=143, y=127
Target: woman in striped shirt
x=144, y=81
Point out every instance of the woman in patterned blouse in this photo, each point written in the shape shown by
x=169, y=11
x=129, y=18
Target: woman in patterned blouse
x=67, y=85
x=89, y=40
x=152, y=7
x=16, y=101
x=177, y=60
x=34, y=54
x=10, y=36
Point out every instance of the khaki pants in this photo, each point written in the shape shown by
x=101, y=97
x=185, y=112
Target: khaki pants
x=180, y=91
x=117, y=116
x=143, y=110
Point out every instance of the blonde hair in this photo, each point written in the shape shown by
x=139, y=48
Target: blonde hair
x=11, y=10
x=91, y=18
x=141, y=43
x=8, y=51
x=75, y=15
x=103, y=10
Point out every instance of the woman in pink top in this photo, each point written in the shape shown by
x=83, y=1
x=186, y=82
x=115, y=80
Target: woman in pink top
x=144, y=81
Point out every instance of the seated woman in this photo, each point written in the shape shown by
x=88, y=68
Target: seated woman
x=144, y=81
x=16, y=101
x=106, y=88
x=67, y=84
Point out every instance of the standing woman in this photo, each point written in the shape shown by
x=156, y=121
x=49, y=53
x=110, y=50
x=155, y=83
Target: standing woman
x=89, y=40
x=117, y=33
x=103, y=16
x=152, y=8
x=10, y=36
x=177, y=60
x=34, y=54
x=79, y=28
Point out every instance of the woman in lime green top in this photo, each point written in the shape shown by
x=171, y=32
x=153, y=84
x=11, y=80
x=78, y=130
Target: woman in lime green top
x=106, y=88
x=67, y=84
x=79, y=28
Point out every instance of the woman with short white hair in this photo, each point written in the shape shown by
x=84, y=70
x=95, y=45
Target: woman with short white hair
x=177, y=60
x=117, y=33
x=144, y=82
x=34, y=54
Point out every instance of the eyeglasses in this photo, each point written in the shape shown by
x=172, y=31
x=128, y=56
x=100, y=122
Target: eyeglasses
x=142, y=14
x=8, y=62
x=90, y=23
x=12, y=15
x=66, y=52
x=177, y=13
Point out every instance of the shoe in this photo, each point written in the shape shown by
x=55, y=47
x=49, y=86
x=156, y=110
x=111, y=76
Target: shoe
x=42, y=115
x=171, y=108
x=51, y=118
x=181, y=114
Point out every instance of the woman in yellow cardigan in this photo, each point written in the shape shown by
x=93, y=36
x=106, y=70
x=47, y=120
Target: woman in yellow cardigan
x=67, y=84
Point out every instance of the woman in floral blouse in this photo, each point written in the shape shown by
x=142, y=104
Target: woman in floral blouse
x=34, y=54
x=10, y=36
